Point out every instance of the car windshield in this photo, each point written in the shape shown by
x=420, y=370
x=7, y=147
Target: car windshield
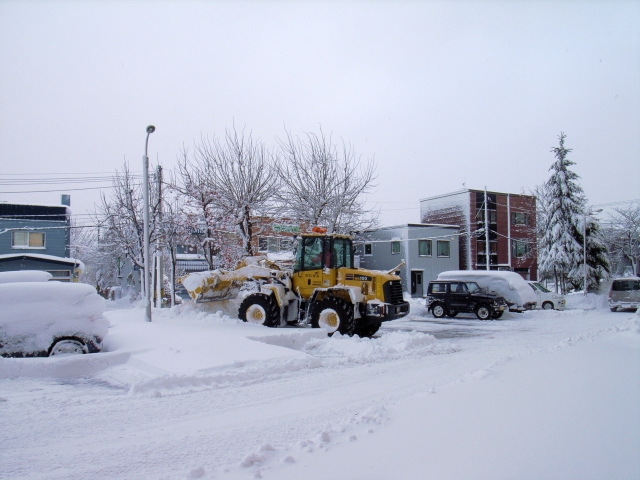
x=473, y=287
x=540, y=287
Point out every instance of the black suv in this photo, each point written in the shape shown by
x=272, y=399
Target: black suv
x=449, y=297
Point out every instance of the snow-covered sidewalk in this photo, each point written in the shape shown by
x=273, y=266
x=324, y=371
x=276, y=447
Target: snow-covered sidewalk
x=199, y=394
x=571, y=413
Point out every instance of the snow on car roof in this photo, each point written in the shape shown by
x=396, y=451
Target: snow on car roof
x=20, y=276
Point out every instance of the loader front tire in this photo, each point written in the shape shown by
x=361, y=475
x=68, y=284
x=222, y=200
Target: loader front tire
x=260, y=309
x=334, y=315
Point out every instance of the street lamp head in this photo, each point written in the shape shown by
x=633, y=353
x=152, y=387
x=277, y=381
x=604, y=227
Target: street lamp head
x=151, y=129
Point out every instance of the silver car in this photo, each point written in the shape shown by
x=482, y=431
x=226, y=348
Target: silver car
x=624, y=293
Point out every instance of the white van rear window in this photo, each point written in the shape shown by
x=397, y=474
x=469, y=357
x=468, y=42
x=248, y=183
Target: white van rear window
x=625, y=285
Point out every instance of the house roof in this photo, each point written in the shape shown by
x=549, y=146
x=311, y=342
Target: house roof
x=19, y=211
x=469, y=190
x=414, y=225
x=41, y=256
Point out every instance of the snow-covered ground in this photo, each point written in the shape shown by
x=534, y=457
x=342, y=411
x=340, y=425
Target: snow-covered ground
x=198, y=394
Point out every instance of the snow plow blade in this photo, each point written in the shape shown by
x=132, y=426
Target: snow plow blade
x=216, y=285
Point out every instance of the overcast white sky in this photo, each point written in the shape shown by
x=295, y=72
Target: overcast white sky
x=439, y=93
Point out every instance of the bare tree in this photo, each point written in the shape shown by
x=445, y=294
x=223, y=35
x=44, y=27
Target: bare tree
x=543, y=213
x=101, y=258
x=202, y=215
x=232, y=183
x=121, y=215
x=622, y=234
x=175, y=231
x=325, y=185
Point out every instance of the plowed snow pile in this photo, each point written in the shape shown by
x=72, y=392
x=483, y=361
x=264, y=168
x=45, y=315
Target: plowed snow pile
x=390, y=346
x=317, y=350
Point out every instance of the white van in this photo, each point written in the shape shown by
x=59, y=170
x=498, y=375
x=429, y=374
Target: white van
x=547, y=299
x=515, y=290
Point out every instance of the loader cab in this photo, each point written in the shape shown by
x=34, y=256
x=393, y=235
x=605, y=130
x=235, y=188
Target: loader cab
x=317, y=259
x=315, y=252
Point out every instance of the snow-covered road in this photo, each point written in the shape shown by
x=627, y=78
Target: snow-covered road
x=306, y=409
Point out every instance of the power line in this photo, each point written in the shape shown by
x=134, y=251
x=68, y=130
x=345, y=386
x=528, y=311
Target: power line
x=60, y=180
x=69, y=173
x=613, y=204
x=59, y=190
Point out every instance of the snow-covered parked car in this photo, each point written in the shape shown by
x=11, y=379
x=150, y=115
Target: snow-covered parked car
x=509, y=285
x=40, y=318
x=547, y=299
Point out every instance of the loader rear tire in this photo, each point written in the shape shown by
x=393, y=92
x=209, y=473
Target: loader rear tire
x=334, y=315
x=260, y=309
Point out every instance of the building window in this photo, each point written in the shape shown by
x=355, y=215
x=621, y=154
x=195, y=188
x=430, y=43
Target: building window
x=493, y=247
x=519, y=218
x=424, y=248
x=22, y=239
x=263, y=244
x=480, y=216
x=286, y=244
x=443, y=248
x=275, y=244
x=395, y=248
x=60, y=275
x=519, y=249
x=368, y=249
x=186, y=249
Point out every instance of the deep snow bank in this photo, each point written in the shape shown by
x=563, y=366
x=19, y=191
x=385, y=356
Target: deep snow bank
x=189, y=348
x=314, y=349
x=568, y=413
x=591, y=301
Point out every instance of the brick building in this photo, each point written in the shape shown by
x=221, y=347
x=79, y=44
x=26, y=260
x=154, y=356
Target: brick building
x=512, y=228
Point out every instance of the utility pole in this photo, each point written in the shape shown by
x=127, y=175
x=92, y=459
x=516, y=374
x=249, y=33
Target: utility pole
x=486, y=226
x=158, y=246
x=509, y=228
x=145, y=192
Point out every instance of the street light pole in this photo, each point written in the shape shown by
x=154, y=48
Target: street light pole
x=589, y=212
x=145, y=190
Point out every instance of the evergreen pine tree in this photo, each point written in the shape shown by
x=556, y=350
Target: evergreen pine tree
x=598, y=266
x=562, y=250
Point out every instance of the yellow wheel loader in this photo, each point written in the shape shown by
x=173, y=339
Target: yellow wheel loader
x=324, y=290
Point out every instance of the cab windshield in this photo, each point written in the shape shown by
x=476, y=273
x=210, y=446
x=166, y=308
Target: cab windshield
x=341, y=253
x=473, y=287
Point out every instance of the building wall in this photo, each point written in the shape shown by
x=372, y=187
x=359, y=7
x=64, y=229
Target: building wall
x=56, y=239
x=451, y=209
x=447, y=209
x=382, y=258
x=525, y=204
